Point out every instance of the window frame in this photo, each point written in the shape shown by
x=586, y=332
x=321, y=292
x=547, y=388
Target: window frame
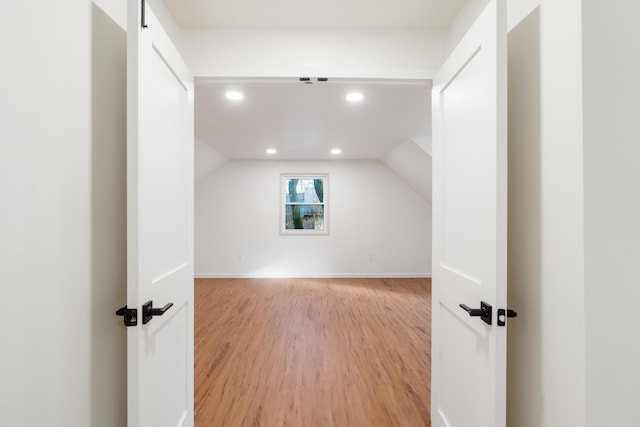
x=283, y=204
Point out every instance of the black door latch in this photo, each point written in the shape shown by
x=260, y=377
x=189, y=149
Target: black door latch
x=130, y=315
x=504, y=314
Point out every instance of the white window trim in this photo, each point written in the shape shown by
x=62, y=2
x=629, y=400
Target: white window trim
x=283, y=204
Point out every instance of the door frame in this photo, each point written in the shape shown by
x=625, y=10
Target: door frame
x=337, y=73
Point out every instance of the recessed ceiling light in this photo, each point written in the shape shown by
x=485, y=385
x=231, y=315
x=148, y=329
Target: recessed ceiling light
x=336, y=151
x=355, y=97
x=271, y=151
x=234, y=95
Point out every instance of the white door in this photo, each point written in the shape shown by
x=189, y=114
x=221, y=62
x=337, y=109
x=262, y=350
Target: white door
x=159, y=225
x=469, y=227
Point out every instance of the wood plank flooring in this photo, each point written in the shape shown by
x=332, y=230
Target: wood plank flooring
x=312, y=352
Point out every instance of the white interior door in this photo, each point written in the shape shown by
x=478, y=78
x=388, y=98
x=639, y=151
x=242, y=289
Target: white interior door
x=469, y=227
x=159, y=225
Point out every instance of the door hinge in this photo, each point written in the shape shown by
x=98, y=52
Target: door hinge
x=130, y=315
x=504, y=314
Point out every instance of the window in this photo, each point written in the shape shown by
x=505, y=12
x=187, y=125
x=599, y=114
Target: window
x=304, y=204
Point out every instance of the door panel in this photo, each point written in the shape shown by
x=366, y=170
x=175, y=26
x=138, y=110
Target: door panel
x=160, y=225
x=462, y=338
x=469, y=217
x=165, y=364
x=168, y=191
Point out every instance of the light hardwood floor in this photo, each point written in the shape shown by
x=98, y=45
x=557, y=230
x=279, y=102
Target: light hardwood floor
x=312, y=352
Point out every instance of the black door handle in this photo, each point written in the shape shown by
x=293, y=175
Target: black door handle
x=485, y=312
x=473, y=311
x=148, y=311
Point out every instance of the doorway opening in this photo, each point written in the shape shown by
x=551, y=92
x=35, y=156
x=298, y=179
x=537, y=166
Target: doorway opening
x=380, y=236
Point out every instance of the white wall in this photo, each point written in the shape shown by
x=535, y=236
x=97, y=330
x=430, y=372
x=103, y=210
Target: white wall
x=206, y=160
x=62, y=221
x=574, y=209
x=525, y=399
x=546, y=372
x=409, y=54
x=611, y=61
x=372, y=214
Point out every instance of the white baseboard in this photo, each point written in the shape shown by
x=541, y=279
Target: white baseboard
x=311, y=276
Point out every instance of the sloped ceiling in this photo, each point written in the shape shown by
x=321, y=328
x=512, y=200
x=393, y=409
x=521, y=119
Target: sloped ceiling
x=412, y=163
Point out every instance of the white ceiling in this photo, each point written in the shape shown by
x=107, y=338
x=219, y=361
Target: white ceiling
x=432, y=14
x=305, y=121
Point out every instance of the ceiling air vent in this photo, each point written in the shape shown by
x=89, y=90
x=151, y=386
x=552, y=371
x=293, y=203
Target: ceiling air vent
x=308, y=81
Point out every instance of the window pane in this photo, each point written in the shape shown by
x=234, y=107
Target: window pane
x=304, y=217
x=304, y=190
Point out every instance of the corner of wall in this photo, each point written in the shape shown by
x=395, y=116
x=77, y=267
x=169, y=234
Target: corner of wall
x=468, y=13
x=412, y=164
x=206, y=160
